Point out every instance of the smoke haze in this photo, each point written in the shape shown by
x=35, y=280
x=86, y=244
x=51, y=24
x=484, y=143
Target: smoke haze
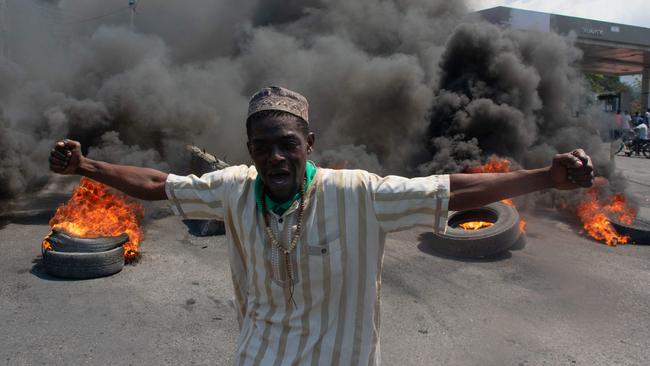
x=399, y=87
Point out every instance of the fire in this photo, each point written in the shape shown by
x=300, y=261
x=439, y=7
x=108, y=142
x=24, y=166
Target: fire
x=475, y=225
x=95, y=211
x=497, y=165
x=595, y=215
x=46, y=245
x=493, y=165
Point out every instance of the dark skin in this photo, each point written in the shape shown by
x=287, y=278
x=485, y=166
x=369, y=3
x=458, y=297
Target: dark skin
x=279, y=150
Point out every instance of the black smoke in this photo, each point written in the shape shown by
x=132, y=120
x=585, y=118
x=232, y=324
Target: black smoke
x=515, y=94
x=406, y=87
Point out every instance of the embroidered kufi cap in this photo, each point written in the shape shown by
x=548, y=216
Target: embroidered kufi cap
x=277, y=98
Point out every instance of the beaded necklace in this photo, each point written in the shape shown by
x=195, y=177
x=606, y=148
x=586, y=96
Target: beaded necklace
x=286, y=251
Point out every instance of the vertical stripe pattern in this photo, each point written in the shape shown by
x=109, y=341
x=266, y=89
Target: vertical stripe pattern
x=338, y=259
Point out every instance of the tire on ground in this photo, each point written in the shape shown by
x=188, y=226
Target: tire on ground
x=459, y=243
x=645, y=150
x=62, y=242
x=83, y=265
x=639, y=232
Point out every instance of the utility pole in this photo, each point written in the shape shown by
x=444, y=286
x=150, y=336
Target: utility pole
x=4, y=47
x=132, y=5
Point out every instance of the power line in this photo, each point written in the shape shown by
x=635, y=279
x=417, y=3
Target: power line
x=116, y=11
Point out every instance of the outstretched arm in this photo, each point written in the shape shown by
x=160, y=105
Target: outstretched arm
x=143, y=183
x=568, y=171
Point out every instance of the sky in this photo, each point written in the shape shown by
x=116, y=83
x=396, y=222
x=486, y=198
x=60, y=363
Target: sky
x=632, y=12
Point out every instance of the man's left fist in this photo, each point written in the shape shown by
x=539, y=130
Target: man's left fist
x=572, y=170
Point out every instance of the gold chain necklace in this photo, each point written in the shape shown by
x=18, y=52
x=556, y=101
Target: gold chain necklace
x=286, y=251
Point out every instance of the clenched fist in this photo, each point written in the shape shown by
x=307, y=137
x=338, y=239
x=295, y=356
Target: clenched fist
x=572, y=170
x=65, y=157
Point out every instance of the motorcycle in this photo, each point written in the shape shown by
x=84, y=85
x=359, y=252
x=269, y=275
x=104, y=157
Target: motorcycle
x=627, y=145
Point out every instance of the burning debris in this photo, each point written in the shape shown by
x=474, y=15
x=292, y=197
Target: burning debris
x=475, y=225
x=493, y=165
x=424, y=87
x=96, y=211
x=596, y=215
x=477, y=233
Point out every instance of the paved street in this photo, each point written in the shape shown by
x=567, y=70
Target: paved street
x=559, y=299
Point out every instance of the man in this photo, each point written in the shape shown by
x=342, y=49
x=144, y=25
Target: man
x=626, y=125
x=639, y=118
x=306, y=243
x=618, y=125
x=641, y=137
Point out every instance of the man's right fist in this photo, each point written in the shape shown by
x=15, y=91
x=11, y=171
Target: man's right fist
x=65, y=157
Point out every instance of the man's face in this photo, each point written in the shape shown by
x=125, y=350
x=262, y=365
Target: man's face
x=279, y=150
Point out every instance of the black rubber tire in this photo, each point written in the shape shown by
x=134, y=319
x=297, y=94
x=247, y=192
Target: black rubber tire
x=62, y=242
x=205, y=227
x=645, y=150
x=459, y=243
x=639, y=232
x=621, y=145
x=83, y=265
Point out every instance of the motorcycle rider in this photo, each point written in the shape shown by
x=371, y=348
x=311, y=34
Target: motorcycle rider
x=640, y=139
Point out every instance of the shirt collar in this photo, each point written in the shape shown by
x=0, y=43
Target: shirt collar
x=281, y=208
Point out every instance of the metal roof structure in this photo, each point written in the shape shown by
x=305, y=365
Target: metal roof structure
x=609, y=48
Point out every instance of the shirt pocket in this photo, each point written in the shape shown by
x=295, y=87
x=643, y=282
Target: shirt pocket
x=324, y=249
x=325, y=264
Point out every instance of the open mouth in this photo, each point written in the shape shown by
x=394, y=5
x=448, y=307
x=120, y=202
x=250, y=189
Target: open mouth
x=279, y=178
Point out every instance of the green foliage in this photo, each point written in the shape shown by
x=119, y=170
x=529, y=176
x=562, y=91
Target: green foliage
x=606, y=83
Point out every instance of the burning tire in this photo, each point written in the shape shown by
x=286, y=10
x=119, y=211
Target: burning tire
x=83, y=265
x=62, y=242
x=501, y=232
x=639, y=232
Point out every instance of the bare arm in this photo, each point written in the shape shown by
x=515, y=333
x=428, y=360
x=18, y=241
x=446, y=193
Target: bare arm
x=568, y=171
x=143, y=183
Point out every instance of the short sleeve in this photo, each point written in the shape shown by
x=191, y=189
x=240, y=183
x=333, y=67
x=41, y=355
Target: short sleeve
x=200, y=198
x=401, y=203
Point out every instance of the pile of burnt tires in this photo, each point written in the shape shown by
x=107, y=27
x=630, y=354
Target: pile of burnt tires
x=81, y=258
x=457, y=242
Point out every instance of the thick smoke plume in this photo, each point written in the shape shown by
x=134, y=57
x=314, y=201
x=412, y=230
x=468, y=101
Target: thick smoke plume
x=394, y=86
x=512, y=93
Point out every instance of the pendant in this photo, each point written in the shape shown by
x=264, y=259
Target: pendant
x=289, y=272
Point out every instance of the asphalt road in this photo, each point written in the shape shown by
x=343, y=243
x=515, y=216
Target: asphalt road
x=560, y=299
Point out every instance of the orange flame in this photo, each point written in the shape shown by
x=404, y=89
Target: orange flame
x=595, y=216
x=46, y=245
x=95, y=211
x=493, y=165
x=475, y=225
x=497, y=165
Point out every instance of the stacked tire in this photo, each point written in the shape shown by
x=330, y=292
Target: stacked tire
x=82, y=258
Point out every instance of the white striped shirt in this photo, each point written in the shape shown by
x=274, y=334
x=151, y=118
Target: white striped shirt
x=337, y=261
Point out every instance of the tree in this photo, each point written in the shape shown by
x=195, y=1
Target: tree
x=607, y=83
